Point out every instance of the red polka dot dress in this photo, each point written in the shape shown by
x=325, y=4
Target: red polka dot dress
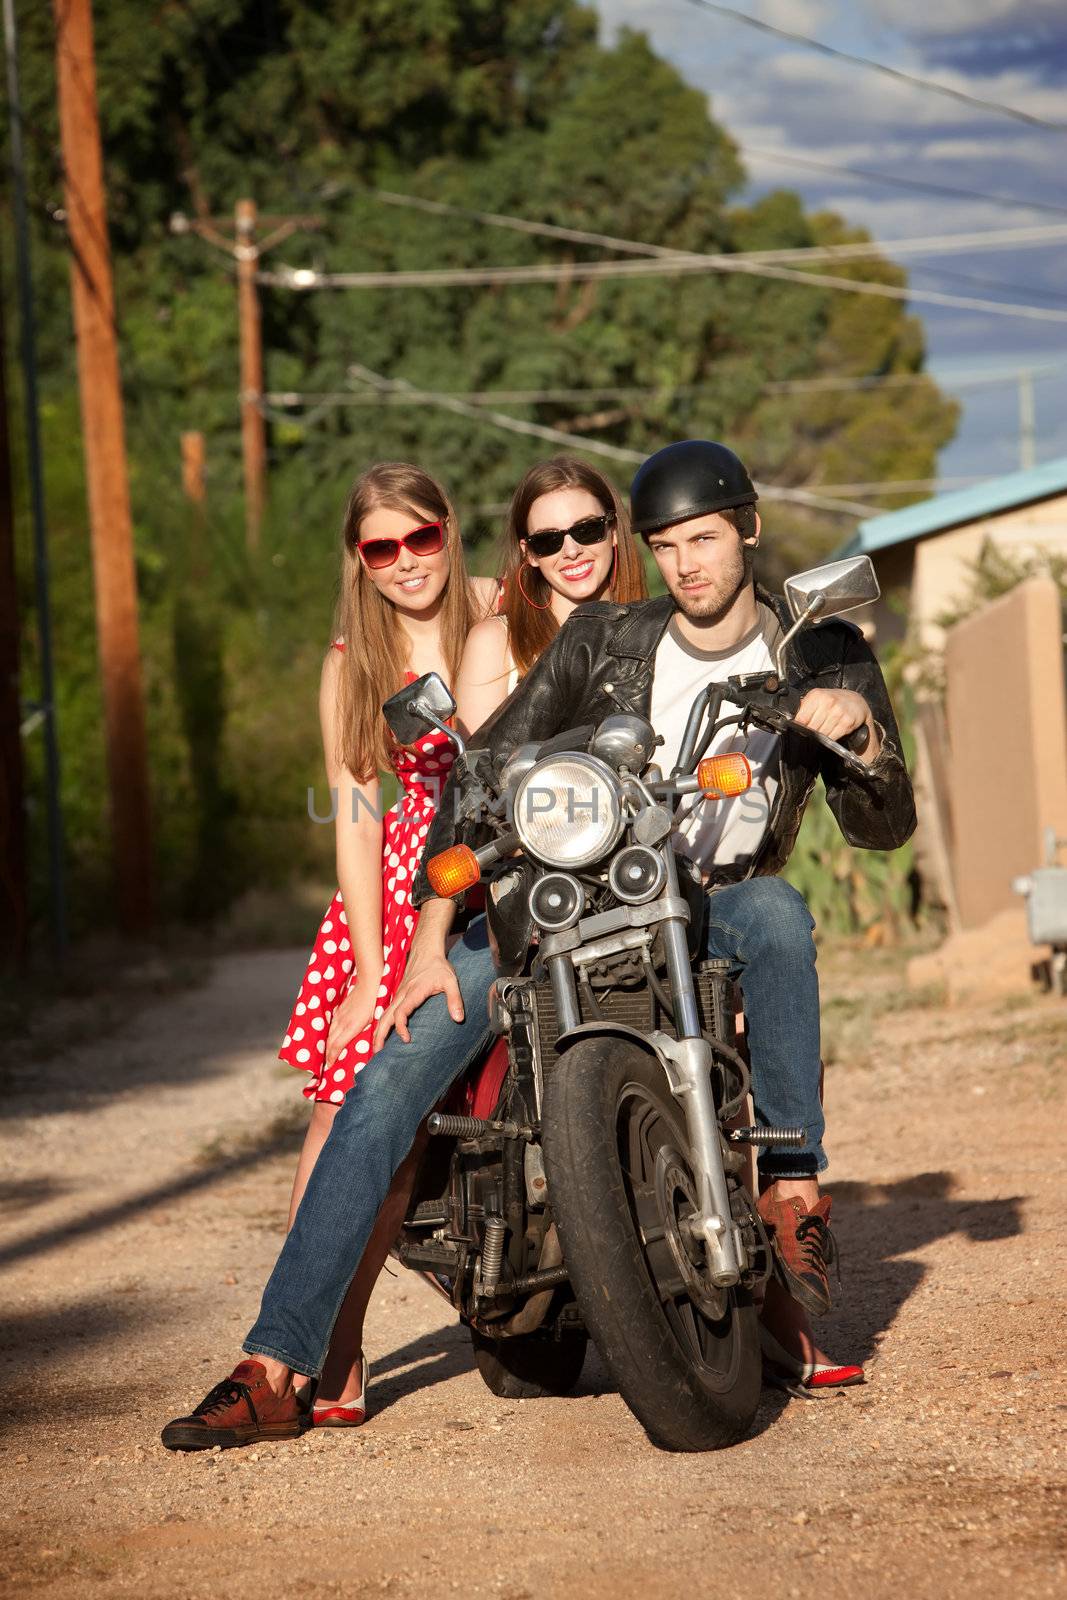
x=422, y=769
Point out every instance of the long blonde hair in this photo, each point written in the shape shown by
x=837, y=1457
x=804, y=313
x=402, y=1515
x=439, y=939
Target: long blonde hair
x=376, y=649
x=530, y=629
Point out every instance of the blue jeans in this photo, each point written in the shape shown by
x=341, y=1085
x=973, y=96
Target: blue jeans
x=371, y=1134
x=762, y=926
x=764, y=929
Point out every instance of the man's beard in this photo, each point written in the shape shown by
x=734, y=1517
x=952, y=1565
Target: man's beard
x=713, y=602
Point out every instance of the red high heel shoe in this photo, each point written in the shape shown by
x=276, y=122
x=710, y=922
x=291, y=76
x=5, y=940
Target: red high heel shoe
x=342, y=1413
x=805, y=1379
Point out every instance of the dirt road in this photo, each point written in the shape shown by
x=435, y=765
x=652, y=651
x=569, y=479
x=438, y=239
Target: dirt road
x=145, y=1178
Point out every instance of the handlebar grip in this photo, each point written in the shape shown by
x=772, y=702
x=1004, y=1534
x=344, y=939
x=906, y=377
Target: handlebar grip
x=858, y=740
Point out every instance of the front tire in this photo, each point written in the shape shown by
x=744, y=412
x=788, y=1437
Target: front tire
x=685, y=1357
x=529, y=1366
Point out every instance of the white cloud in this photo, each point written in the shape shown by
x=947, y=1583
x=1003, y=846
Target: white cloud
x=959, y=16
x=831, y=94
x=799, y=16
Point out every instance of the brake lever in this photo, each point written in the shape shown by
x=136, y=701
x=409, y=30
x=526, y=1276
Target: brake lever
x=781, y=722
x=774, y=704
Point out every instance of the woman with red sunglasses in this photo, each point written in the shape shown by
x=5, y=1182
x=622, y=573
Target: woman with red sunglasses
x=406, y=606
x=567, y=539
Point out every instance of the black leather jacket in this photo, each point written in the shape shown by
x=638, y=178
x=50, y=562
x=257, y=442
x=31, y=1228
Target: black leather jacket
x=602, y=660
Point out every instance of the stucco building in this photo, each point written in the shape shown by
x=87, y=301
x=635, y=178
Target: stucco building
x=923, y=554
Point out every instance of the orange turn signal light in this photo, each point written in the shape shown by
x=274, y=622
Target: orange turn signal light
x=722, y=777
x=453, y=871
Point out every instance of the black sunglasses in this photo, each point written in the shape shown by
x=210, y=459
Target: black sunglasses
x=549, y=541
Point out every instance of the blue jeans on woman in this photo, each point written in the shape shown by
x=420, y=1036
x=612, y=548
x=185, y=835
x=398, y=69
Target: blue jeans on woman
x=762, y=927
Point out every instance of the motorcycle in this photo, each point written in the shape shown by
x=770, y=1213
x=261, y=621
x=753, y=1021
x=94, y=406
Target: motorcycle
x=588, y=1178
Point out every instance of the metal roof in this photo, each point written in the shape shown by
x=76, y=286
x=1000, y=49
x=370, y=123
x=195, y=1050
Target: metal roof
x=944, y=511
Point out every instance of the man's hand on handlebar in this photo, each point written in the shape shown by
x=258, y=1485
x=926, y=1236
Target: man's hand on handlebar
x=835, y=713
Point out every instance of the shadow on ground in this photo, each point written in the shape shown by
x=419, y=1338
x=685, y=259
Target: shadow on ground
x=284, y=1134
x=37, y=1349
x=87, y=1052
x=877, y=1227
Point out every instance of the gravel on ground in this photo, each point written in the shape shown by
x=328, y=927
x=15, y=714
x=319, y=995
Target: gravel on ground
x=145, y=1182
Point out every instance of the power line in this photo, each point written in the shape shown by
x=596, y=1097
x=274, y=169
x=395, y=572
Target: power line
x=922, y=186
x=931, y=85
x=269, y=403
x=498, y=219
x=574, y=441
x=670, y=261
x=955, y=276
x=306, y=278
x=854, y=250
x=322, y=401
x=983, y=240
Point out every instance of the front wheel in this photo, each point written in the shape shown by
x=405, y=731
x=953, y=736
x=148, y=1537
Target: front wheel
x=685, y=1355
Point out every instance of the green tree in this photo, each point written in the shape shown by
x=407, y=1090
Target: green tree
x=313, y=105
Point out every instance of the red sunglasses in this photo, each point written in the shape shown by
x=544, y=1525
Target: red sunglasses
x=427, y=541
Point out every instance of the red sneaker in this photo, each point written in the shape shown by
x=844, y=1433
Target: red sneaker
x=242, y=1409
x=803, y=1245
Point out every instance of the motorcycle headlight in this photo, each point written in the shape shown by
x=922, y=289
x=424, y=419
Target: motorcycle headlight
x=568, y=811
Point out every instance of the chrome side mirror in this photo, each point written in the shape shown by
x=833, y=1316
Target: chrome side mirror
x=838, y=586
x=826, y=591
x=419, y=708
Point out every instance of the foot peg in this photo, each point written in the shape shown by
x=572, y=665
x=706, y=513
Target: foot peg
x=473, y=1127
x=774, y=1137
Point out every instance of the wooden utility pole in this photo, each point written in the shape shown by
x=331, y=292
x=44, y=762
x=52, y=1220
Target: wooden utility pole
x=45, y=710
x=195, y=490
x=253, y=423
x=114, y=575
x=14, y=919
x=193, y=455
x=246, y=247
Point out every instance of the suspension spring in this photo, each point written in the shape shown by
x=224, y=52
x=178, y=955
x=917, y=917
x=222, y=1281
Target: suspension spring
x=492, y=1253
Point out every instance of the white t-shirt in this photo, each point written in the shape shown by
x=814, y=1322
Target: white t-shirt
x=716, y=833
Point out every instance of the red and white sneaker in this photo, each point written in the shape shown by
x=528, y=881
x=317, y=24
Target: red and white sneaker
x=342, y=1413
x=800, y=1377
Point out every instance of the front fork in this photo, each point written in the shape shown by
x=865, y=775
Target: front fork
x=687, y=1061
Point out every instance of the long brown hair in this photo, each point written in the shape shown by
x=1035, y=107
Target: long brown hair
x=531, y=631
x=376, y=650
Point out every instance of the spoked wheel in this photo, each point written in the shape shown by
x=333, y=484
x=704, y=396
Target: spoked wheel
x=663, y=1196
x=684, y=1353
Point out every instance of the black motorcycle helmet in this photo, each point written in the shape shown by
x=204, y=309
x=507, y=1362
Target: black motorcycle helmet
x=688, y=479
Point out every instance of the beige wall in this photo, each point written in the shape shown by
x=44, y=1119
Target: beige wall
x=941, y=574
x=1006, y=723
x=922, y=578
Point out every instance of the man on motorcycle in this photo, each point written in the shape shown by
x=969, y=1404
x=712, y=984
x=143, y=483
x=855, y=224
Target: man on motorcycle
x=695, y=505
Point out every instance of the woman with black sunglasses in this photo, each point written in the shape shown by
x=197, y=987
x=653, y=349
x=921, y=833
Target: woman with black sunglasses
x=406, y=606
x=566, y=540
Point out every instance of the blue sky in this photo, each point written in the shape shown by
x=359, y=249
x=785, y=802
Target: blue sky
x=775, y=96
